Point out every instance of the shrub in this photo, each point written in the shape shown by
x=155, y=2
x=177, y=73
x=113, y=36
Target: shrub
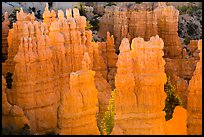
x=168, y=4
x=9, y=80
x=88, y=25
x=111, y=3
x=95, y=22
x=187, y=40
x=191, y=28
x=171, y=100
x=107, y=122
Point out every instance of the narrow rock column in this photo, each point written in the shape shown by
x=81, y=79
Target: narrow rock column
x=58, y=54
x=141, y=88
x=125, y=84
x=194, y=103
x=83, y=95
x=120, y=28
x=149, y=74
x=112, y=58
x=46, y=16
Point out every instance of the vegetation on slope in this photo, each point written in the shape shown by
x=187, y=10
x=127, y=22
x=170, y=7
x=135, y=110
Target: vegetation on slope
x=107, y=122
x=92, y=24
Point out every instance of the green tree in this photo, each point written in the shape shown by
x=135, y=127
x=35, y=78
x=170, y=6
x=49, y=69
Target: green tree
x=88, y=25
x=172, y=100
x=12, y=17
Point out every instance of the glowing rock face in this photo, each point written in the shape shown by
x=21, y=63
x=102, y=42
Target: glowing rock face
x=178, y=124
x=134, y=81
x=194, y=104
x=53, y=62
x=83, y=95
x=38, y=95
x=20, y=29
x=42, y=66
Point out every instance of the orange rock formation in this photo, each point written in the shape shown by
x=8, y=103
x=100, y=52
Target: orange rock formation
x=111, y=60
x=145, y=22
x=56, y=65
x=42, y=65
x=13, y=117
x=33, y=84
x=194, y=104
x=83, y=95
x=178, y=124
x=133, y=87
x=142, y=22
x=14, y=40
x=167, y=20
